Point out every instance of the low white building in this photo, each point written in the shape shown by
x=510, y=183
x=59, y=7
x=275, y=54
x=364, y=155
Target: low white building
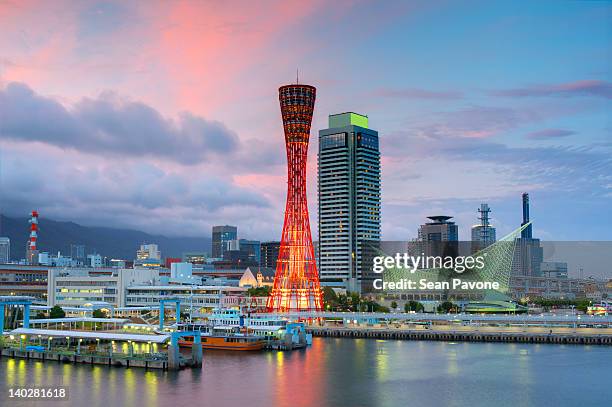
x=94, y=260
x=257, y=277
x=195, y=296
x=77, y=287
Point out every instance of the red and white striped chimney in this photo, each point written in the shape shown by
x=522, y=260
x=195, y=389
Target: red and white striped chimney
x=33, y=231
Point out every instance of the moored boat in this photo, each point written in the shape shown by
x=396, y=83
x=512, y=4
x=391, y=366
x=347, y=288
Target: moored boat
x=603, y=308
x=236, y=342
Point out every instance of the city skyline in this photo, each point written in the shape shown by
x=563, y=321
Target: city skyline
x=470, y=108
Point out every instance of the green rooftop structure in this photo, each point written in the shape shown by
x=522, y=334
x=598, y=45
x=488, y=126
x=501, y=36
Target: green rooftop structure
x=348, y=119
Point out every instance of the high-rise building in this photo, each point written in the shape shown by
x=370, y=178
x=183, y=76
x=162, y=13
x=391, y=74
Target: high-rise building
x=528, y=253
x=483, y=234
x=148, y=252
x=296, y=282
x=527, y=233
x=554, y=269
x=440, y=229
x=5, y=250
x=77, y=252
x=252, y=247
x=349, y=197
x=221, y=235
x=269, y=254
x=242, y=252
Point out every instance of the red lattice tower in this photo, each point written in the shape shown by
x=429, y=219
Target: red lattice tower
x=296, y=283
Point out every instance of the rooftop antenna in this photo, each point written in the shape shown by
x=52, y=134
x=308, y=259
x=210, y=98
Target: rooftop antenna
x=297, y=76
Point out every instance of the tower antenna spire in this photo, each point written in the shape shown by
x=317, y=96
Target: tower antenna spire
x=297, y=76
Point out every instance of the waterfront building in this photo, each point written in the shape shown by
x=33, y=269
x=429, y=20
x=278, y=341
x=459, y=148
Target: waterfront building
x=198, y=297
x=269, y=254
x=349, y=197
x=5, y=250
x=78, y=287
x=195, y=257
x=440, y=229
x=257, y=277
x=24, y=280
x=148, y=252
x=554, y=269
x=181, y=270
x=221, y=235
x=547, y=287
x=483, y=234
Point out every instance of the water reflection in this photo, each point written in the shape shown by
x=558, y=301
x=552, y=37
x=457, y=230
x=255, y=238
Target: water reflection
x=343, y=372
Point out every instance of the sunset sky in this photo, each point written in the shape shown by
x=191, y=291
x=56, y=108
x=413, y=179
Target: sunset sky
x=164, y=116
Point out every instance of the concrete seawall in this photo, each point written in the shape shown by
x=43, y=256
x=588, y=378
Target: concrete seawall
x=474, y=336
x=84, y=359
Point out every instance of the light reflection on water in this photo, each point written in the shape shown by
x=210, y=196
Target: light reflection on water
x=343, y=372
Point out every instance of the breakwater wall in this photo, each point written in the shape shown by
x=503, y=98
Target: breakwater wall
x=50, y=356
x=471, y=336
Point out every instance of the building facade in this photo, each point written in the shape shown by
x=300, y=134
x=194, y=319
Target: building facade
x=148, y=252
x=27, y=280
x=554, y=269
x=5, y=250
x=440, y=229
x=197, y=297
x=349, y=197
x=80, y=287
x=529, y=254
x=269, y=254
x=221, y=236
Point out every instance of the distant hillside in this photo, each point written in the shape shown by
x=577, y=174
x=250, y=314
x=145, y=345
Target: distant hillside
x=57, y=236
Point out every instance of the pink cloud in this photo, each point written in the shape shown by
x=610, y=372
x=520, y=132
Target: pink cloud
x=577, y=88
x=208, y=49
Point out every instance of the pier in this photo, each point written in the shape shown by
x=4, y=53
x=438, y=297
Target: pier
x=100, y=341
x=102, y=348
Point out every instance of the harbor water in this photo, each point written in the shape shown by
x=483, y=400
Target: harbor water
x=341, y=372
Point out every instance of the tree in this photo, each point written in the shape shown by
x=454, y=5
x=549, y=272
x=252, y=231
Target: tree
x=57, y=312
x=414, y=306
x=393, y=304
x=447, y=307
x=40, y=315
x=98, y=313
x=260, y=291
x=329, y=295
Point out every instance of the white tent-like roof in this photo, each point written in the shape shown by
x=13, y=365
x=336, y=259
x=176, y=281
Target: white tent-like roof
x=78, y=319
x=92, y=335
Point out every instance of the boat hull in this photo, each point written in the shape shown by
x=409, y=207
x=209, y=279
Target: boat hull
x=222, y=344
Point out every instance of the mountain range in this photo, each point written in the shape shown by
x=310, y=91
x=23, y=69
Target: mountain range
x=54, y=236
